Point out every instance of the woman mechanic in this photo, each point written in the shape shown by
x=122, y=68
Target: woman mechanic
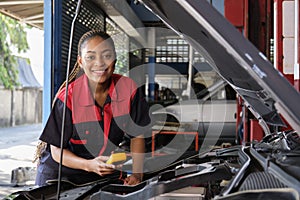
x=101, y=108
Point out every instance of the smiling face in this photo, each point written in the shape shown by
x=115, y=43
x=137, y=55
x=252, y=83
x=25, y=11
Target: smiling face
x=97, y=59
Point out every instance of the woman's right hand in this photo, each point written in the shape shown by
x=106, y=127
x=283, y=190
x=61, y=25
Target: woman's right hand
x=98, y=165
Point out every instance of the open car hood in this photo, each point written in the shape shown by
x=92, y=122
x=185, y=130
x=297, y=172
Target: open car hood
x=267, y=94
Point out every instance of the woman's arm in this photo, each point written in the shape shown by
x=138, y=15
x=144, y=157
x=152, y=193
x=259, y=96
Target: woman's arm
x=96, y=165
x=137, y=148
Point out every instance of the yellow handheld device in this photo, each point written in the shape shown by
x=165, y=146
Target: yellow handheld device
x=116, y=157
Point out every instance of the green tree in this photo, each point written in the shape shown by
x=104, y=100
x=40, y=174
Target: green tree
x=12, y=35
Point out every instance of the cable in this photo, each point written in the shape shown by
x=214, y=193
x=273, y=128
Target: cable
x=65, y=100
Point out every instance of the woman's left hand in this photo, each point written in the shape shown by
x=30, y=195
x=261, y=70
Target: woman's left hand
x=133, y=179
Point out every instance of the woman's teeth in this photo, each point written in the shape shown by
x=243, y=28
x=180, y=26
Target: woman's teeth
x=99, y=71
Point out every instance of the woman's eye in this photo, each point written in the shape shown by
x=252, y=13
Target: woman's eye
x=107, y=56
x=90, y=57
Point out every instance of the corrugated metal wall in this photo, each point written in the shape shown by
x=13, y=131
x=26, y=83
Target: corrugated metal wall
x=89, y=17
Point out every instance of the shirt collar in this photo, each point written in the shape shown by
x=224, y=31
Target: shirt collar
x=84, y=95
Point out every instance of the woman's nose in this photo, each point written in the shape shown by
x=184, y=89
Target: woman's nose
x=99, y=61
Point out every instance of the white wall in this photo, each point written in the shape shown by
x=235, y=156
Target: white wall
x=21, y=106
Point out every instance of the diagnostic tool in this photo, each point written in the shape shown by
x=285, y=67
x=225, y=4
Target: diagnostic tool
x=116, y=158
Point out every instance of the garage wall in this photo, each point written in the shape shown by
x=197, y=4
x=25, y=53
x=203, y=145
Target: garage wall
x=20, y=106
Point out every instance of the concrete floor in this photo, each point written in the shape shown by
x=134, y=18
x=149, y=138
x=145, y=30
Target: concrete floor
x=17, y=147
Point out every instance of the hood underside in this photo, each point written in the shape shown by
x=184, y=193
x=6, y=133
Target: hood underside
x=264, y=89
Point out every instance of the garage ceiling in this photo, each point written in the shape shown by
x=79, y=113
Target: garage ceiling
x=30, y=12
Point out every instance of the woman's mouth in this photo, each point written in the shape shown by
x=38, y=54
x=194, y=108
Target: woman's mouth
x=99, y=72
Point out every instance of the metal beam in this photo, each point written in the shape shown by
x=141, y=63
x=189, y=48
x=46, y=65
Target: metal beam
x=32, y=21
x=10, y=3
x=24, y=20
x=34, y=17
x=121, y=13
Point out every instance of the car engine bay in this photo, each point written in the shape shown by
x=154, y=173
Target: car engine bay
x=268, y=169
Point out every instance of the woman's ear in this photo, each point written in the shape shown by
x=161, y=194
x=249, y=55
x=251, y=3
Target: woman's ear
x=79, y=61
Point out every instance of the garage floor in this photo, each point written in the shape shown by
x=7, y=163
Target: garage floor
x=17, y=147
